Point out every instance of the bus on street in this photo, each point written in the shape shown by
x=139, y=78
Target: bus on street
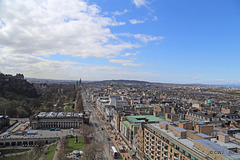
x=114, y=152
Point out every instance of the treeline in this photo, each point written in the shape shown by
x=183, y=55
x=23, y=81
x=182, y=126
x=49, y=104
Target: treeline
x=16, y=95
x=19, y=98
x=16, y=87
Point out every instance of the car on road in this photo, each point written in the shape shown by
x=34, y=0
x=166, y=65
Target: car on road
x=109, y=139
x=6, y=134
x=102, y=128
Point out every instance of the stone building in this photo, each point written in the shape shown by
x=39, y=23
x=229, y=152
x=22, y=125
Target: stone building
x=165, y=141
x=46, y=120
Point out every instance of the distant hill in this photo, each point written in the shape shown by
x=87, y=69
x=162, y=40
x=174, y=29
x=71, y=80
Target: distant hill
x=15, y=86
x=48, y=81
x=124, y=81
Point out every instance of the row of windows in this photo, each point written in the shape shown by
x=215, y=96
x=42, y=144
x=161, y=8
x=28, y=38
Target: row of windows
x=160, y=146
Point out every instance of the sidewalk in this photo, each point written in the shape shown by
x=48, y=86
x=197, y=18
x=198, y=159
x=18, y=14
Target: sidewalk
x=125, y=155
x=14, y=154
x=55, y=157
x=44, y=153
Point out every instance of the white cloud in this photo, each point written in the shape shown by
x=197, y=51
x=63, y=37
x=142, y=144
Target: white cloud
x=129, y=54
x=118, y=23
x=48, y=27
x=132, y=64
x=119, y=61
x=36, y=67
x=140, y=3
x=147, y=38
x=125, y=62
x=117, y=13
x=142, y=37
x=134, y=21
x=35, y=29
x=155, y=18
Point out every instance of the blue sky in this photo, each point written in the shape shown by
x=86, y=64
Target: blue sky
x=155, y=40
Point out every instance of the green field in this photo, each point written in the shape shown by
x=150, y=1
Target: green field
x=51, y=152
x=72, y=146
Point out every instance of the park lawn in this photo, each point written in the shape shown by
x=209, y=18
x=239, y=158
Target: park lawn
x=9, y=151
x=72, y=146
x=51, y=152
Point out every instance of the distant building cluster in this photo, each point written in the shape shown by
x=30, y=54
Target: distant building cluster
x=167, y=121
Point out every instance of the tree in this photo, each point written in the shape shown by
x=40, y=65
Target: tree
x=93, y=151
x=49, y=106
x=40, y=145
x=63, y=142
x=86, y=131
x=61, y=156
x=79, y=103
x=21, y=112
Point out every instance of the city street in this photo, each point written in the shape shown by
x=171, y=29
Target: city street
x=105, y=132
x=101, y=135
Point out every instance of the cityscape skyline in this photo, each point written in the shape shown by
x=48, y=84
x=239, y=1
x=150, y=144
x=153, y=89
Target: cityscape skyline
x=156, y=41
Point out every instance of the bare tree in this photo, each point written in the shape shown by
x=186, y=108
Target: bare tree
x=40, y=145
x=79, y=103
x=61, y=156
x=63, y=142
x=93, y=151
x=87, y=132
x=61, y=153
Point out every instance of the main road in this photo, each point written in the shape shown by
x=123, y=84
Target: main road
x=101, y=134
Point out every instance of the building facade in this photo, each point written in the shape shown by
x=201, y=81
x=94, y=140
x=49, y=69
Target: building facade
x=164, y=141
x=46, y=120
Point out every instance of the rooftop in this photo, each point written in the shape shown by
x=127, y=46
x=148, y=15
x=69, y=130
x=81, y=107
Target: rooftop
x=228, y=145
x=224, y=134
x=203, y=135
x=143, y=118
x=126, y=123
x=214, y=146
x=180, y=129
x=186, y=142
x=144, y=106
x=58, y=114
x=189, y=143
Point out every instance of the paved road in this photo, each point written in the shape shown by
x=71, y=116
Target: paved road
x=103, y=132
x=101, y=135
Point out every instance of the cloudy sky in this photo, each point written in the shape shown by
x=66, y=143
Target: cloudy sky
x=187, y=41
